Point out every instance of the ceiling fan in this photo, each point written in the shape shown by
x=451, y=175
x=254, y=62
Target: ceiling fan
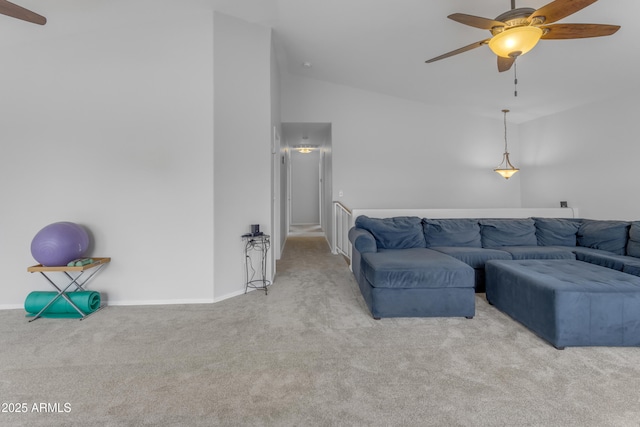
x=518, y=30
x=15, y=11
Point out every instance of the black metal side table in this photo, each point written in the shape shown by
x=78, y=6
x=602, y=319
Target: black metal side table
x=256, y=247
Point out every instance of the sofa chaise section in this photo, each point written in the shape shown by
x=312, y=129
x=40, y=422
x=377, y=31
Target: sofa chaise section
x=417, y=282
x=399, y=277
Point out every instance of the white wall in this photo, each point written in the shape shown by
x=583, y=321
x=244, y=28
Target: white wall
x=305, y=188
x=391, y=152
x=587, y=156
x=243, y=129
x=285, y=160
x=327, y=187
x=113, y=129
x=277, y=231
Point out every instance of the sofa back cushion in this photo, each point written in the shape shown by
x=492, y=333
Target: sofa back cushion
x=557, y=231
x=508, y=232
x=609, y=236
x=452, y=232
x=633, y=246
x=402, y=232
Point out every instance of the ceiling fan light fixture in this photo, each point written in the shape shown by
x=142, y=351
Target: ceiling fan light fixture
x=517, y=31
x=515, y=41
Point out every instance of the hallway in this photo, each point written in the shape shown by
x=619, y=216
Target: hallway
x=308, y=252
x=306, y=230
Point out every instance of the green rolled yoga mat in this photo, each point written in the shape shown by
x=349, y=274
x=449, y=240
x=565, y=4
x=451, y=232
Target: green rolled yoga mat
x=87, y=301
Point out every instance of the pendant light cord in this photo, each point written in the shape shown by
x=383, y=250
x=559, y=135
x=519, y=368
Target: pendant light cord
x=515, y=78
x=505, y=130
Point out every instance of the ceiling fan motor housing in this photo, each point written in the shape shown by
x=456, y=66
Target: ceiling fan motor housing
x=516, y=18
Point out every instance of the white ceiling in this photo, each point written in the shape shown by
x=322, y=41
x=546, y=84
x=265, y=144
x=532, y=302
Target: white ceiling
x=318, y=134
x=381, y=46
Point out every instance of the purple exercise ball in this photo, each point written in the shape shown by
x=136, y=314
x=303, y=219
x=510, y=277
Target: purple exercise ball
x=58, y=243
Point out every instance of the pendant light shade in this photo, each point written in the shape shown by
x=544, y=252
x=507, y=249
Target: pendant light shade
x=515, y=41
x=506, y=169
x=304, y=149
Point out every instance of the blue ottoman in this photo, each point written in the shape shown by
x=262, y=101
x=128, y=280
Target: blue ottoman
x=566, y=302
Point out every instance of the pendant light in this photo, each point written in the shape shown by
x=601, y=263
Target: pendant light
x=305, y=147
x=506, y=169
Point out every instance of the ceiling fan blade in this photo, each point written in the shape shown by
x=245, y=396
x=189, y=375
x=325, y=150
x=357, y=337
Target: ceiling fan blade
x=475, y=21
x=577, y=31
x=559, y=9
x=457, y=51
x=15, y=11
x=504, y=64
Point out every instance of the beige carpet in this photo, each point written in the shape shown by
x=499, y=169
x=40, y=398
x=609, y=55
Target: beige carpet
x=307, y=354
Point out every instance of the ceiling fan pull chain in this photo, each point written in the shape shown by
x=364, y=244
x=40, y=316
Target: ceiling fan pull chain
x=515, y=78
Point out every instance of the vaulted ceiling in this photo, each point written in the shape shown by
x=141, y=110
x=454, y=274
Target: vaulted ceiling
x=382, y=45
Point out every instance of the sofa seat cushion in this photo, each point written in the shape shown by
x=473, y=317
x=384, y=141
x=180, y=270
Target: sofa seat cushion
x=415, y=268
x=600, y=257
x=452, y=232
x=609, y=236
x=474, y=257
x=539, y=252
x=496, y=233
x=400, y=232
x=632, y=266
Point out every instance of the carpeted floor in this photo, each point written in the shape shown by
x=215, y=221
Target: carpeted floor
x=308, y=354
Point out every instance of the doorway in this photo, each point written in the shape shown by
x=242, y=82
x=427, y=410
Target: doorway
x=308, y=178
x=305, y=189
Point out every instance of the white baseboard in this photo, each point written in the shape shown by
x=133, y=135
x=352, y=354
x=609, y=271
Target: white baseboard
x=11, y=306
x=158, y=302
x=235, y=294
x=148, y=302
x=128, y=303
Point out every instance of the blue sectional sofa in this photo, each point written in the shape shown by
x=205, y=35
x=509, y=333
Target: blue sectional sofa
x=410, y=266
